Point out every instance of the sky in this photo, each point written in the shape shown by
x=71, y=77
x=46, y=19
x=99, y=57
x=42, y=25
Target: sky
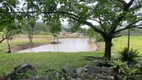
x=127, y=1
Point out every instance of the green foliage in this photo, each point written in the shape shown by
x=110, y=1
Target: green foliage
x=73, y=26
x=41, y=28
x=54, y=23
x=99, y=38
x=122, y=67
x=8, y=18
x=74, y=29
x=18, y=76
x=51, y=74
x=117, y=65
x=91, y=33
x=128, y=55
x=55, y=28
x=28, y=25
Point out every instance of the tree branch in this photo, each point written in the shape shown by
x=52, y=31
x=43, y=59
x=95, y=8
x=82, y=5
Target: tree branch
x=123, y=2
x=100, y=21
x=49, y=12
x=121, y=17
x=93, y=27
x=130, y=3
x=126, y=7
x=116, y=22
x=129, y=26
x=3, y=39
x=136, y=7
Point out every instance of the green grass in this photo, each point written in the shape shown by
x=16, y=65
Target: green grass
x=42, y=61
x=121, y=42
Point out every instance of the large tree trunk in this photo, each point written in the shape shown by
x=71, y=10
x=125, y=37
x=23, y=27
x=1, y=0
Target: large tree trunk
x=108, y=45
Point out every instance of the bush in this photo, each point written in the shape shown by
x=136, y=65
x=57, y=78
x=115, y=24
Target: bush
x=99, y=38
x=128, y=55
x=122, y=68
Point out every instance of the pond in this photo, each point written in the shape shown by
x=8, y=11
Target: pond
x=66, y=45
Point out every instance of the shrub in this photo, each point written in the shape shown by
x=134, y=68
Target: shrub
x=128, y=55
x=99, y=38
x=122, y=68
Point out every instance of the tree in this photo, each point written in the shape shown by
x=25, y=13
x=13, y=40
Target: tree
x=41, y=28
x=8, y=34
x=5, y=19
x=54, y=23
x=30, y=19
x=55, y=29
x=9, y=21
x=109, y=14
x=10, y=30
x=29, y=28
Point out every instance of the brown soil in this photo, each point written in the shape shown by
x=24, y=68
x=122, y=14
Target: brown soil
x=25, y=46
x=55, y=42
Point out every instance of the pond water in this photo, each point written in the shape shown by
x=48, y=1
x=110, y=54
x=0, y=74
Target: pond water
x=66, y=45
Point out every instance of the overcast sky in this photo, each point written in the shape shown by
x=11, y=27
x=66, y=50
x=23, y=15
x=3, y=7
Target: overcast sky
x=127, y=1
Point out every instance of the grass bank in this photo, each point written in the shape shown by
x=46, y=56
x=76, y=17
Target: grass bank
x=43, y=61
x=22, y=40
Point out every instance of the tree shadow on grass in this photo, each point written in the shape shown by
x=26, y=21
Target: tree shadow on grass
x=92, y=58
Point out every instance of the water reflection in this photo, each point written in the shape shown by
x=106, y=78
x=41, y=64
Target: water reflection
x=67, y=45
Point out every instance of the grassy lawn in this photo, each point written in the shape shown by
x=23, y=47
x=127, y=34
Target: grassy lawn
x=43, y=61
x=121, y=42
